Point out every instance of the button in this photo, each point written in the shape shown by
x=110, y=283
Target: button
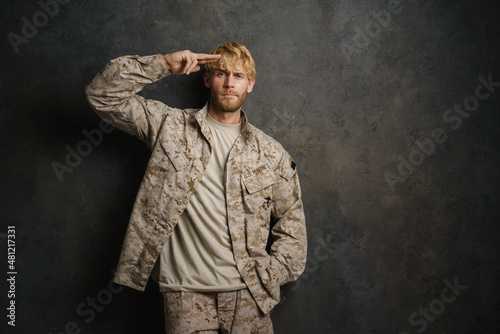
x=161, y=226
x=179, y=202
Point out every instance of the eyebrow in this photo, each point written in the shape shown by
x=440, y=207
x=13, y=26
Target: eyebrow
x=227, y=71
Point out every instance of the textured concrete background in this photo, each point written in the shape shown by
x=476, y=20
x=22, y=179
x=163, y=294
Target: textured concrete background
x=400, y=181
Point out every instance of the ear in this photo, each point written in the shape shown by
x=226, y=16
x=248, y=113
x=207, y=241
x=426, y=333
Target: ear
x=250, y=85
x=206, y=79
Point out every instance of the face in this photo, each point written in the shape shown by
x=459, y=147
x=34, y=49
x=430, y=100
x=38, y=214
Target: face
x=228, y=88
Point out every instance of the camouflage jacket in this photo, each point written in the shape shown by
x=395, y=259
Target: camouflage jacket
x=261, y=183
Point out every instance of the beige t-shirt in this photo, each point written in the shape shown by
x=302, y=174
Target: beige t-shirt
x=198, y=255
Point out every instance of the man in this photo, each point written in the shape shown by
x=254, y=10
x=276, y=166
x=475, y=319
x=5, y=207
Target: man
x=214, y=188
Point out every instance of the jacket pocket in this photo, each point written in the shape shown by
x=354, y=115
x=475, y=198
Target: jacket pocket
x=258, y=193
x=259, y=182
x=257, y=201
x=174, y=154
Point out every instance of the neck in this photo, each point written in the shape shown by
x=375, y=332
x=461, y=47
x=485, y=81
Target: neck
x=229, y=118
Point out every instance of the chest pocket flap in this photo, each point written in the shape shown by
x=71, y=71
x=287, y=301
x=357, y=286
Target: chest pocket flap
x=174, y=154
x=259, y=182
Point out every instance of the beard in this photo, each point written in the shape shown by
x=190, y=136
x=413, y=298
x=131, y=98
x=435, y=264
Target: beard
x=228, y=105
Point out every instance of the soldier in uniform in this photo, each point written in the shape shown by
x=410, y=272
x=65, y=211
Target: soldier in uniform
x=218, y=220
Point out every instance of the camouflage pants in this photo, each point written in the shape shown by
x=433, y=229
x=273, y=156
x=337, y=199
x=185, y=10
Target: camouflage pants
x=233, y=312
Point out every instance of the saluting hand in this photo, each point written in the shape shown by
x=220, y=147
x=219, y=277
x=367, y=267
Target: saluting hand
x=185, y=62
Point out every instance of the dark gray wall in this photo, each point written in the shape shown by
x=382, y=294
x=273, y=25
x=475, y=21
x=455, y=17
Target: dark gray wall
x=400, y=181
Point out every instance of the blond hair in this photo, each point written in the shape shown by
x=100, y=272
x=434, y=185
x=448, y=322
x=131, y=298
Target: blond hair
x=232, y=53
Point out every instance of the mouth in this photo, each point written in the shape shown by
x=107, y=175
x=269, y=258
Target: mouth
x=229, y=95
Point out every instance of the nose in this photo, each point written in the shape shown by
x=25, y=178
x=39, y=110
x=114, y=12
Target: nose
x=229, y=82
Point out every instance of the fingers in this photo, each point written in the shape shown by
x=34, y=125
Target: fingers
x=186, y=62
x=204, y=58
x=191, y=62
x=193, y=59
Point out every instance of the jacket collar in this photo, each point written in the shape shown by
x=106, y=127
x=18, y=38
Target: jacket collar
x=246, y=128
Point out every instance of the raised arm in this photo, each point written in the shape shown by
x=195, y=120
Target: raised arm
x=113, y=91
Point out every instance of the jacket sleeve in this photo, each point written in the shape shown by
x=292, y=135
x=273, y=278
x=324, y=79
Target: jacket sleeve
x=289, y=239
x=113, y=95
